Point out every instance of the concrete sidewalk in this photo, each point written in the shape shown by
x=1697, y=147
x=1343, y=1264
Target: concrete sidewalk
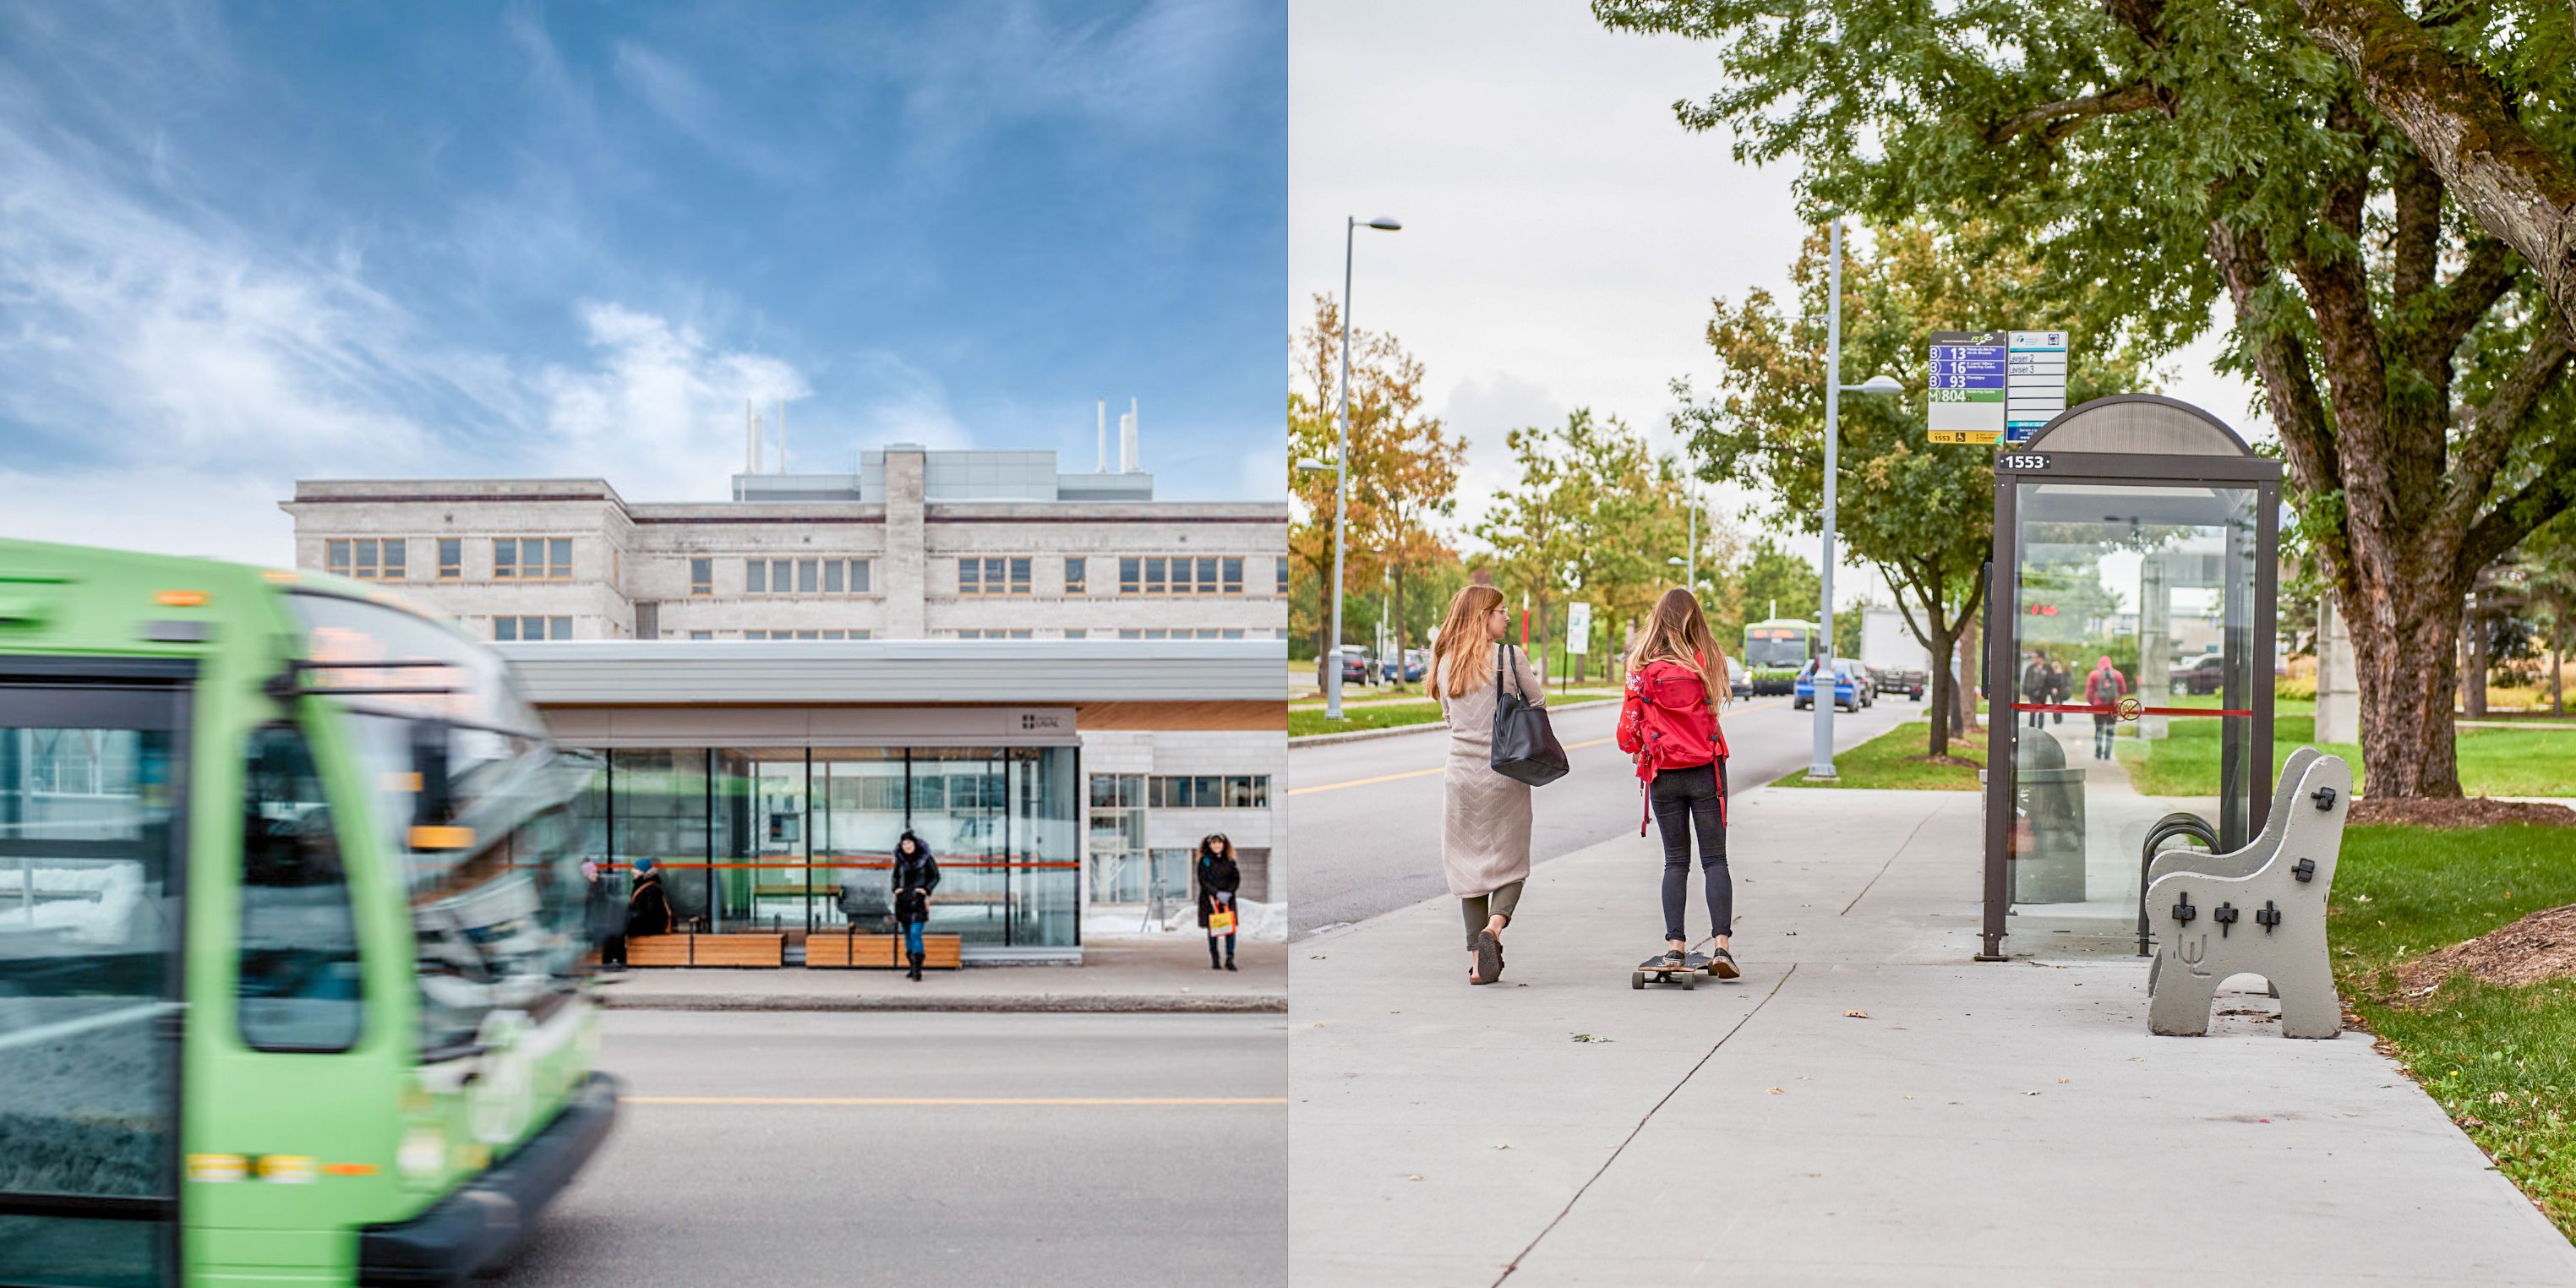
x=1998, y=1124
x=1162, y=974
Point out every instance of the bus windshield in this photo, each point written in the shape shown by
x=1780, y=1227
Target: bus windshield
x=498, y=901
x=1775, y=646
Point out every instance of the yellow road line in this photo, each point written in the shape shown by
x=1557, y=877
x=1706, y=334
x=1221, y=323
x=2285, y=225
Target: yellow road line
x=1425, y=773
x=968, y=1101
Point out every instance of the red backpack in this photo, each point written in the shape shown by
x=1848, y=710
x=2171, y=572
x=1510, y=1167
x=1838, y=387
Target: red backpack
x=1666, y=722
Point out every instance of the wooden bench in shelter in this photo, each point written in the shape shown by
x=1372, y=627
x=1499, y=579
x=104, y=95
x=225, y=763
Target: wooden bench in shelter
x=831, y=949
x=690, y=948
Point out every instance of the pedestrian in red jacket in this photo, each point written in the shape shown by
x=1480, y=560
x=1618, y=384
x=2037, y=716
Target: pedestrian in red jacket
x=1668, y=723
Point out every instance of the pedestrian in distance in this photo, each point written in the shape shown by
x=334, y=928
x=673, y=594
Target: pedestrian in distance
x=2104, y=688
x=2035, y=684
x=648, y=907
x=1218, y=880
x=2061, y=686
x=1668, y=725
x=600, y=917
x=1485, y=816
x=916, y=874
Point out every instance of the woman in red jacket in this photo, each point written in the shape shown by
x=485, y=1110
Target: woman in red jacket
x=1668, y=723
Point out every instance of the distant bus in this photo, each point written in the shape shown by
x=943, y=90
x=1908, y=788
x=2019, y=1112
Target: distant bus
x=291, y=933
x=1774, y=650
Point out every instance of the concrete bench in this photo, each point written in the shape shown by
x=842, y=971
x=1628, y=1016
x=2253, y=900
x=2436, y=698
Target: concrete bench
x=2260, y=910
x=689, y=948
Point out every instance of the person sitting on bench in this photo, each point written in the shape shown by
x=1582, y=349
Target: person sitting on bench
x=648, y=910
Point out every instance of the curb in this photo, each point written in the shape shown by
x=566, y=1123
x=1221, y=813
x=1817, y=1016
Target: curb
x=1107, y=1003
x=1427, y=726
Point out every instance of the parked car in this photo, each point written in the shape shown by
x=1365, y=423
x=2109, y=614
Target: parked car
x=1355, y=664
x=1847, y=683
x=1739, y=680
x=2206, y=673
x=1415, y=662
x=1910, y=682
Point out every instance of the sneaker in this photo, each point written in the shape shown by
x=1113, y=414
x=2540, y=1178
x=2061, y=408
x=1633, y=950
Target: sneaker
x=1229, y=965
x=1721, y=963
x=1489, y=957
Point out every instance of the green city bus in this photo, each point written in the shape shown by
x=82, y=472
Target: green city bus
x=291, y=948
x=1775, y=650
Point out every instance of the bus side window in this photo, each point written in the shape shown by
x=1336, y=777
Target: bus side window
x=299, y=984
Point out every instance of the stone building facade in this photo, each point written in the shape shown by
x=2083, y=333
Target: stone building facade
x=916, y=545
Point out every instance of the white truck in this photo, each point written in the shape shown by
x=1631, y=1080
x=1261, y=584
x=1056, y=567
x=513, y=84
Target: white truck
x=1898, y=662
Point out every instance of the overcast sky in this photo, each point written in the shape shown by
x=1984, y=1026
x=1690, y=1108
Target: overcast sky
x=244, y=243
x=1563, y=235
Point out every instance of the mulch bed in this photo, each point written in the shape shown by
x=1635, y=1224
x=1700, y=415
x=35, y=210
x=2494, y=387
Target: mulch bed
x=2472, y=811
x=2540, y=946
x=1955, y=762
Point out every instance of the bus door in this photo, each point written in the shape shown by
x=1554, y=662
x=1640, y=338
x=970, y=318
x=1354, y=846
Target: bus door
x=93, y=803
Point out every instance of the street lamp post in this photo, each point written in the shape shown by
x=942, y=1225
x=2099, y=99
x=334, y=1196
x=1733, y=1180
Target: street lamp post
x=1342, y=468
x=1821, y=763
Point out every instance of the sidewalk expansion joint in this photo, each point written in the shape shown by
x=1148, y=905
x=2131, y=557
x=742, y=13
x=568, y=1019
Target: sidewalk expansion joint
x=1633, y=1132
x=1891, y=859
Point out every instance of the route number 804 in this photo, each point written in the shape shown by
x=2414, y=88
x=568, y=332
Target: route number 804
x=2022, y=461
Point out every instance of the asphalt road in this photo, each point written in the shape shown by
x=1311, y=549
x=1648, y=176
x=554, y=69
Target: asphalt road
x=912, y=1171
x=1366, y=815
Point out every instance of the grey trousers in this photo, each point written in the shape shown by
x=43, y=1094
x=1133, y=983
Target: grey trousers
x=1481, y=908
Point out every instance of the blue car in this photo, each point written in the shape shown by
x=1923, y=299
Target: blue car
x=1414, y=660
x=1847, y=687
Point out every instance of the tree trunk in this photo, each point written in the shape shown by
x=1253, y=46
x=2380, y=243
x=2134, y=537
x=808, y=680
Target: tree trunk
x=2409, y=666
x=1944, y=643
x=1965, y=670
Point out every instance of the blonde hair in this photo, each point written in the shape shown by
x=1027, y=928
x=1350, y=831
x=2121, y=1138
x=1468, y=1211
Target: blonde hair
x=1462, y=638
x=1677, y=632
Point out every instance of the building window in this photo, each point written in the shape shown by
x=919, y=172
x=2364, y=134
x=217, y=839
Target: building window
x=1077, y=633
x=365, y=558
x=1131, y=576
x=1117, y=839
x=995, y=635
x=451, y=558
x=804, y=577
x=979, y=578
x=702, y=576
x=532, y=558
x=859, y=576
x=1232, y=575
x=1282, y=566
x=755, y=576
x=832, y=576
x=1210, y=791
x=530, y=629
x=702, y=635
x=1077, y=575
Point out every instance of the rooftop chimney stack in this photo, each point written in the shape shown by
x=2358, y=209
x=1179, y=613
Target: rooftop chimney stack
x=750, y=439
x=1127, y=462
x=1103, y=466
x=782, y=435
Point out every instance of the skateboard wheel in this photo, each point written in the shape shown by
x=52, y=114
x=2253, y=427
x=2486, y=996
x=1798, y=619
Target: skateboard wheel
x=1636, y=979
x=1690, y=979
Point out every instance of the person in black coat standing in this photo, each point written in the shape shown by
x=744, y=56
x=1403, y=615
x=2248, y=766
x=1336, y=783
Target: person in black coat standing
x=916, y=874
x=600, y=917
x=1218, y=879
x=648, y=909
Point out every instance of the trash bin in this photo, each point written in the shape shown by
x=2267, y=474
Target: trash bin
x=2048, y=823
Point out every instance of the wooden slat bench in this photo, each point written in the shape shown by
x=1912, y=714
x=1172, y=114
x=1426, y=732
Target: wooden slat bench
x=833, y=950
x=691, y=949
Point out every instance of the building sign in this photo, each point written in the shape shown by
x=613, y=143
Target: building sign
x=1967, y=386
x=1578, y=628
x=2035, y=387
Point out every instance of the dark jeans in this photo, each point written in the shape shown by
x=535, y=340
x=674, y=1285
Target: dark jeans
x=612, y=951
x=2038, y=718
x=1229, y=945
x=2102, y=729
x=912, y=937
x=1688, y=800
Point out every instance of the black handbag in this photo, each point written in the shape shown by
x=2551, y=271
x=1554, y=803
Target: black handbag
x=1525, y=745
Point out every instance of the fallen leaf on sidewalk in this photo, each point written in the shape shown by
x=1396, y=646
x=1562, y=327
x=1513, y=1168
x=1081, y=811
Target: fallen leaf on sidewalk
x=1502, y=1147
x=1772, y=1092
x=1855, y=1015
x=2066, y=1080
x=1414, y=1177
x=1586, y=1037
x=2030, y=1093
x=2137, y=1059
x=1909, y=1097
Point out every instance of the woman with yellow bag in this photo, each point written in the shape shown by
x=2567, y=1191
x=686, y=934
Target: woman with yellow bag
x=1218, y=879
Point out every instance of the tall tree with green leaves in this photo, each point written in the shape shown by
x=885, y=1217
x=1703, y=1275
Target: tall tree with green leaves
x=1596, y=517
x=2156, y=156
x=1922, y=512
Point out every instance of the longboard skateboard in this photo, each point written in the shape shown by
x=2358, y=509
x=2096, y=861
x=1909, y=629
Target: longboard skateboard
x=1687, y=974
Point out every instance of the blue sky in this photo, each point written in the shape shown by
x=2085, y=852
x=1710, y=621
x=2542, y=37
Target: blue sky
x=246, y=243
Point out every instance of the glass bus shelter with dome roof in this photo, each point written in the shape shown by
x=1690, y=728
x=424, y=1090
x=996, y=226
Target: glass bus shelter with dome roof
x=2134, y=535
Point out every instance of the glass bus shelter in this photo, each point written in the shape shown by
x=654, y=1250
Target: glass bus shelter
x=2128, y=667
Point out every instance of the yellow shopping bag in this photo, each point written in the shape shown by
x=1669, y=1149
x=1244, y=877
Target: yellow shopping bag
x=1221, y=922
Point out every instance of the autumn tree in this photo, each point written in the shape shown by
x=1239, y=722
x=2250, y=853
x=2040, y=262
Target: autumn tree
x=1922, y=512
x=1403, y=464
x=2157, y=156
x=1595, y=518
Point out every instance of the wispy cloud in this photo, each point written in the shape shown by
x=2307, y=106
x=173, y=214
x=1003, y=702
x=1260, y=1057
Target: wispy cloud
x=679, y=97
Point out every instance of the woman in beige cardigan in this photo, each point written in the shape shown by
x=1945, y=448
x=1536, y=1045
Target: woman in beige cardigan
x=1485, y=826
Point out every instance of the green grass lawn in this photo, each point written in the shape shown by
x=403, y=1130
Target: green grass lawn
x=1894, y=759
x=1303, y=720
x=2493, y=762
x=2501, y=1061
